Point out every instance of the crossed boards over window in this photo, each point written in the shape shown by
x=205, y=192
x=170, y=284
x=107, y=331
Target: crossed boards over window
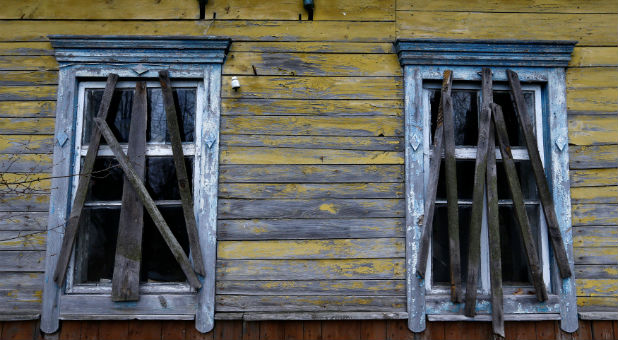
x=135, y=197
x=491, y=124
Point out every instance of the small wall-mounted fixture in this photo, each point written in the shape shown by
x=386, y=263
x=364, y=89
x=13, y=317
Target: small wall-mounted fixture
x=309, y=6
x=235, y=83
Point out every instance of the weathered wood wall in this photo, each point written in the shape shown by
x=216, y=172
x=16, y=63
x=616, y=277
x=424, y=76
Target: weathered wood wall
x=311, y=182
x=307, y=330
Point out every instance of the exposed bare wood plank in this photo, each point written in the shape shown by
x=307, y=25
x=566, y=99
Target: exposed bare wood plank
x=25, y=48
x=526, y=126
x=28, y=163
x=149, y=204
x=518, y=206
x=24, y=183
x=261, y=229
x=596, y=255
x=127, y=261
x=311, y=142
x=309, y=47
x=593, y=177
x=259, y=155
x=101, y=307
x=595, y=236
x=72, y=224
x=22, y=240
x=534, y=6
x=361, y=269
x=310, y=173
x=314, y=107
x=587, y=29
x=309, y=303
x=606, y=194
x=597, y=304
x=22, y=261
x=312, y=287
x=595, y=271
x=28, y=78
x=311, y=249
x=24, y=202
x=310, y=191
x=595, y=214
x=21, y=144
x=596, y=287
x=319, y=208
x=315, y=126
x=28, y=93
x=23, y=220
x=34, y=126
x=593, y=157
x=184, y=185
x=28, y=63
x=28, y=109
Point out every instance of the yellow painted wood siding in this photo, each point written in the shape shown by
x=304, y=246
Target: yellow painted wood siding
x=312, y=141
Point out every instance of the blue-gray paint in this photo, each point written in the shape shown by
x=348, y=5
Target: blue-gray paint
x=534, y=61
x=87, y=57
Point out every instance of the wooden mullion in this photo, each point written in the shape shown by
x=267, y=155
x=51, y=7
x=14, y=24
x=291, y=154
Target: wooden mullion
x=432, y=185
x=539, y=174
x=72, y=225
x=181, y=172
x=518, y=204
x=149, y=204
x=450, y=171
x=476, y=218
x=125, y=282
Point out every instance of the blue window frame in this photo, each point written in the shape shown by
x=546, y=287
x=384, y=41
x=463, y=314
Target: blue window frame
x=541, y=69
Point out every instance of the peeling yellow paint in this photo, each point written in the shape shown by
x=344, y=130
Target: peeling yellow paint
x=329, y=207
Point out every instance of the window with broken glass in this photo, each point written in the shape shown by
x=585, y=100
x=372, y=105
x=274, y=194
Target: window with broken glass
x=466, y=99
x=93, y=261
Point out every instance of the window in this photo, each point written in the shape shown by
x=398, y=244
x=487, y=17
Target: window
x=540, y=66
x=194, y=66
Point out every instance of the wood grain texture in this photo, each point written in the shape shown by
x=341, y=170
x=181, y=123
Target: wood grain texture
x=314, y=108
x=309, y=303
x=593, y=177
x=593, y=129
x=20, y=144
x=608, y=194
x=10, y=220
x=596, y=287
x=22, y=261
x=594, y=56
x=312, y=287
x=33, y=126
x=28, y=93
x=295, y=47
x=595, y=214
x=593, y=99
x=28, y=78
x=595, y=271
x=311, y=191
x=535, y=6
x=313, y=142
x=595, y=237
x=28, y=63
x=596, y=255
x=259, y=155
x=311, y=173
x=25, y=163
x=593, y=157
x=24, y=109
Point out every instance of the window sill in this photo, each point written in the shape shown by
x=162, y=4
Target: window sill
x=598, y=315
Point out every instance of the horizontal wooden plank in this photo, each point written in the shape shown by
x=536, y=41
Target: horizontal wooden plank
x=593, y=129
x=608, y=194
x=118, y=9
x=599, y=287
x=596, y=255
x=318, y=208
x=23, y=240
x=312, y=287
x=28, y=109
x=310, y=191
x=314, y=87
x=310, y=64
x=26, y=48
x=309, y=303
x=23, y=220
x=593, y=177
x=34, y=93
x=18, y=305
x=21, y=183
x=524, y=6
x=28, y=63
x=314, y=107
x=578, y=77
x=313, y=142
x=595, y=237
x=310, y=249
x=25, y=144
x=597, y=304
x=593, y=272
x=306, y=47
x=34, y=126
x=512, y=304
x=316, y=316
x=24, y=202
x=594, y=214
x=361, y=269
x=599, y=316
x=27, y=280
x=25, y=78
x=312, y=126
x=310, y=173
x=592, y=99
x=259, y=155
x=593, y=157
x=237, y=30
x=29, y=163
x=274, y=229
x=99, y=305
x=22, y=261
x=594, y=56
x=357, y=10
x=587, y=29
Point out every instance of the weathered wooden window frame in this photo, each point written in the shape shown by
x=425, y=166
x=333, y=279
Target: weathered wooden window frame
x=537, y=62
x=90, y=58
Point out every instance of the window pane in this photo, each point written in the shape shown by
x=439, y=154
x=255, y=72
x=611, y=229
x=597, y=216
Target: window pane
x=503, y=98
x=158, y=263
x=185, y=109
x=465, y=182
x=107, y=180
x=465, y=112
x=440, y=243
x=526, y=180
x=96, y=246
x=119, y=116
x=515, y=270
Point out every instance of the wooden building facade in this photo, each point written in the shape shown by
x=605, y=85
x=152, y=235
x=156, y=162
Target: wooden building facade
x=311, y=202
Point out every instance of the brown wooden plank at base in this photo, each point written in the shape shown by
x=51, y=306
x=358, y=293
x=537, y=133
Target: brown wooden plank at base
x=144, y=330
x=113, y=329
x=70, y=330
x=341, y=330
x=18, y=330
x=228, y=330
x=250, y=330
x=584, y=332
x=521, y=330
x=272, y=330
x=603, y=330
x=194, y=334
x=312, y=330
x=546, y=330
x=173, y=330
